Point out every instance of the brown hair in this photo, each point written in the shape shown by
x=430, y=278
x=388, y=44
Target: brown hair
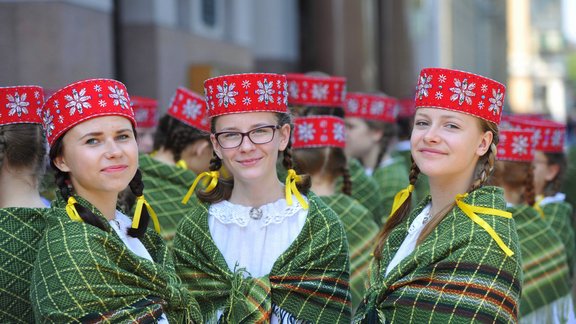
x=223, y=189
x=324, y=160
x=389, y=132
x=174, y=136
x=24, y=146
x=517, y=175
x=484, y=168
x=554, y=186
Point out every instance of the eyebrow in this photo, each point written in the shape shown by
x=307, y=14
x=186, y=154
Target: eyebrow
x=441, y=116
x=95, y=134
x=236, y=129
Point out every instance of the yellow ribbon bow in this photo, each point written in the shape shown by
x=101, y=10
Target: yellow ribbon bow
x=140, y=202
x=71, y=210
x=538, y=207
x=471, y=210
x=291, y=188
x=210, y=175
x=400, y=198
x=182, y=164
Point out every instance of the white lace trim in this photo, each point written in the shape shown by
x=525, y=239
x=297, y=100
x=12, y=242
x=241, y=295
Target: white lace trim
x=273, y=213
x=559, y=197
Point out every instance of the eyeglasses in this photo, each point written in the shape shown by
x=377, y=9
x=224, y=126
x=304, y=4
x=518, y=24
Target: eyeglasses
x=258, y=135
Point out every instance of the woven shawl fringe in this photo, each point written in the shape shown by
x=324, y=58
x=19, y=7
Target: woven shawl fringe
x=284, y=316
x=560, y=307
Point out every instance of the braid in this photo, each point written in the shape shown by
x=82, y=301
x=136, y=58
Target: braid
x=137, y=187
x=175, y=136
x=223, y=189
x=555, y=185
x=346, y=181
x=388, y=134
x=529, y=191
x=484, y=168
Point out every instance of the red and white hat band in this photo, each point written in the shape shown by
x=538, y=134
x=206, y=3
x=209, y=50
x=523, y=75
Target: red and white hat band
x=460, y=91
x=319, y=131
x=370, y=106
x=145, y=111
x=407, y=107
x=83, y=100
x=250, y=92
x=21, y=104
x=515, y=145
x=189, y=108
x=549, y=136
x=318, y=91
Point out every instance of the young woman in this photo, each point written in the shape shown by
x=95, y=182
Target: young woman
x=319, y=143
x=546, y=285
x=182, y=149
x=254, y=249
x=318, y=93
x=22, y=164
x=371, y=133
x=454, y=258
x=146, y=115
x=94, y=263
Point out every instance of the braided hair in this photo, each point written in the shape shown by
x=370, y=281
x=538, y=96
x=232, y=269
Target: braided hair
x=516, y=174
x=555, y=185
x=325, y=160
x=174, y=136
x=24, y=146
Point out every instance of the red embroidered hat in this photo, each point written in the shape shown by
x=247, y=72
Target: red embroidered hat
x=321, y=91
x=406, y=107
x=549, y=136
x=371, y=106
x=189, y=108
x=145, y=111
x=319, y=131
x=21, y=105
x=460, y=91
x=249, y=92
x=515, y=145
x=83, y=100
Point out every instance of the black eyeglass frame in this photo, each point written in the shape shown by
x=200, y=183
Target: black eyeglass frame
x=247, y=134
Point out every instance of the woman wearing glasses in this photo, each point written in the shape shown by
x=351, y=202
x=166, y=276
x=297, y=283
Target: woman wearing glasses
x=254, y=249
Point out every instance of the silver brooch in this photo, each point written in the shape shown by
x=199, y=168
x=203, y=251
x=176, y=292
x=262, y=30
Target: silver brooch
x=255, y=213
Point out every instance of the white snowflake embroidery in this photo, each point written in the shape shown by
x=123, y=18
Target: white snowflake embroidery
x=211, y=89
x=306, y=132
x=39, y=112
x=285, y=93
x=61, y=119
x=353, y=105
x=438, y=95
x=423, y=86
x=102, y=103
x=226, y=94
x=245, y=84
x=118, y=96
x=278, y=84
x=339, y=132
x=484, y=88
x=56, y=103
x=520, y=145
x=442, y=78
x=536, y=137
x=293, y=89
x=192, y=109
x=48, y=121
x=97, y=88
x=320, y=91
x=77, y=101
x=557, y=137
x=481, y=105
x=246, y=100
x=496, y=101
x=17, y=104
x=463, y=91
x=36, y=94
x=265, y=91
x=377, y=108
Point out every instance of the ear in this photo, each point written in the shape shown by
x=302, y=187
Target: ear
x=284, y=133
x=375, y=135
x=215, y=146
x=485, y=143
x=61, y=164
x=552, y=171
x=200, y=146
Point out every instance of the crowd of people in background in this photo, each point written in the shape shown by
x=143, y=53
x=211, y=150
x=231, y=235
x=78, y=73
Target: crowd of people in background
x=276, y=198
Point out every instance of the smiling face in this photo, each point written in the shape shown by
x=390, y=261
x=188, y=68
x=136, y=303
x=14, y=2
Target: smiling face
x=447, y=143
x=360, y=138
x=100, y=154
x=251, y=162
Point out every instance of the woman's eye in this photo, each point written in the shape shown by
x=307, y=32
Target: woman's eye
x=453, y=126
x=421, y=123
x=91, y=141
x=123, y=137
x=230, y=135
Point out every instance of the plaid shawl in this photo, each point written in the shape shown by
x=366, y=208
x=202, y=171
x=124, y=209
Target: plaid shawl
x=457, y=274
x=84, y=274
x=390, y=179
x=165, y=186
x=421, y=187
x=559, y=216
x=543, y=261
x=308, y=282
x=361, y=230
x=20, y=231
x=364, y=189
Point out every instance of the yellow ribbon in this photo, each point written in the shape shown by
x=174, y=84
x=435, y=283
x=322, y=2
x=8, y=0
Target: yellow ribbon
x=400, y=198
x=538, y=207
x=210, y=175
x=140, y=202
x=291, y=188
x=182, y=164
x=71, y=210
x=471, y=210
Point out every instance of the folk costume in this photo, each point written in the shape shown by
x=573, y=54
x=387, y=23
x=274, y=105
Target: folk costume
x=468, y=268
x=281, y=262
x=21, y=228
x=84, y=273
x=364, y=189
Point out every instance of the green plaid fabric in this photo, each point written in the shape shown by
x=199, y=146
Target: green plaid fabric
x=569, y=183
x=164, y=187
x=390, y=179
x=20, y=231
x=361, y=230
x=559, y=216
x=85, y=274
x=543, y=262
x=308, y=282
x=458, y=274
x=364, y=189
x=421, y=188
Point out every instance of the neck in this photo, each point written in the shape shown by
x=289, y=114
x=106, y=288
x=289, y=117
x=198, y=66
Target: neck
x=18, y=188
x=443, y=192
x=164, y=156
x=513, y=196
x=323, y=185
x=257, y=193
x=105, y=202
x=370, y=160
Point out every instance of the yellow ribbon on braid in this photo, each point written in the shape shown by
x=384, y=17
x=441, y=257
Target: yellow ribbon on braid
x=291, y=179
x=140, y=203
x=471, y=210
x=400, y=198
x=71, y=210
x=211, y=176
x=182, y=164
x=538, y=207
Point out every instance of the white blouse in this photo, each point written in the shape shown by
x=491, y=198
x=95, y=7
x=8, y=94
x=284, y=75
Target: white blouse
x=558, y=197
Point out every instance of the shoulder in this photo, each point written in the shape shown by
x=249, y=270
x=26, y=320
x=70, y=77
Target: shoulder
x=319, y=213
